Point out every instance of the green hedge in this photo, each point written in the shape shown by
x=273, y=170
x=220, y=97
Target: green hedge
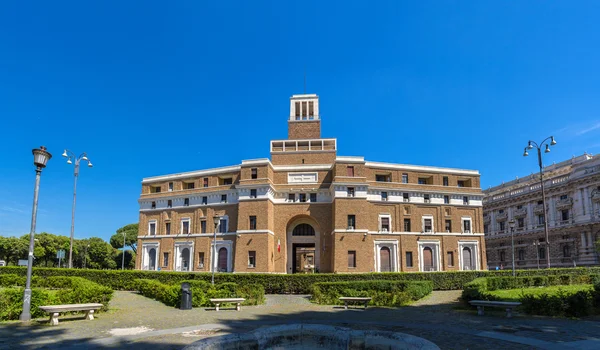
x=284, y=283
x=384, y=293
x=56, y=290
x=202, y=291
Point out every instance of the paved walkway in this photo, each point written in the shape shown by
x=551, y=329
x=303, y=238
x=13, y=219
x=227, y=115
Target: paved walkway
x=138, y=322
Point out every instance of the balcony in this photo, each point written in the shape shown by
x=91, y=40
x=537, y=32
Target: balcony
x=596, y=196
x=566, y=203
x=520, y=213
x=502, y=216
x=538, y=209
x=486, y=219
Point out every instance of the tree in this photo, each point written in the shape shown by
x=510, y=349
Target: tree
x=129, y=259
x=101, y=254
x=12, y=249
x=131, y=234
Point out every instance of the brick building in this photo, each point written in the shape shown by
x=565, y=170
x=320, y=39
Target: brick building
x=573, y=212
x=308, y=209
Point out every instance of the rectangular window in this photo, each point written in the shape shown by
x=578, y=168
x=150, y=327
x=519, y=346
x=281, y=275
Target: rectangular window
x=448, y=226
x=450, y=258
x=460, y=183
x=406, y=225
x=311, y=108
x=302, y=197
x=540, y=202
x=291, y=197
x=385, y=224
x=467, y=226
x=541, y=219
x=422, y=181
x=351, y=259
x=223, y=226
x=202, y=226
x=351, y=222
x=253, y=222
x=304, y=110
x=409, y=259
x=205, y=182
x=427, y=225
x=185, y=227
x=465, y=200
x=169, y=203
x=382, y=178
x=253, y=193
x=521, y=222
x=201, y=259
x=223, y=198
x=427, y=198
x=350, y=191
x=564, y=196
x=313, y=197
x=521, y=254
x=445, y=180
x=350, y=171
x=564, y=215
x=205, y=200
x=254, y=173
x=405, y=197
x=446, y=199
x=252, y=258
x=519, y=206
x=227, y=181
x=404, y=178
x=501, y=211
x=486, y=229
x=153, y=205
x=189, y=185
x=155, y=189
x=502, y=225
x=165, y=259
x=167, y=228
x=186, y=202
x=152, y=228
x=384, y=196
x=170, y=187
x=297, y=110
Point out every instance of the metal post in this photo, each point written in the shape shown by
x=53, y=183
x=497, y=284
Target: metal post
x=214, y=254
x=26, y=314
x=123, y=262
x=73, y=213
x=545, y=208
x=85, y=257
x=512, y=242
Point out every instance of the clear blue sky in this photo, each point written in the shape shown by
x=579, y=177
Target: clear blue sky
x=150, y=88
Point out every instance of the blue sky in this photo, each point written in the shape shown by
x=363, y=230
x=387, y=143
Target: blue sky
x=150, y=88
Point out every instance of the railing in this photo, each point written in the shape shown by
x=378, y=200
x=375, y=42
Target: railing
x=564, y=203
x=502, y=216
x=538, y=209
x=519, y=213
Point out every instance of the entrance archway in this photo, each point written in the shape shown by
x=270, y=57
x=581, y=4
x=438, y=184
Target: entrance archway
x=222, y=260
x=385, y=258
x=185, y=259
x=427, y=259
x=303, y=245
x=152, y=259
x=467, y=261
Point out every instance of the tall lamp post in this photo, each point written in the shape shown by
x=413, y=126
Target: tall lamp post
x=531, y=145
x=216, y=220
x=537, y=244
x=40, y=158
x=70, y=157
x=511, y=224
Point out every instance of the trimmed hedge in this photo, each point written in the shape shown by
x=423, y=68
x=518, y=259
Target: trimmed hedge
x=202, y=292
x=384, y=293
x=284, y=283
x=57, y=290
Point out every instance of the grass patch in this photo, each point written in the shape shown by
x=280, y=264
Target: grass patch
x=517, y=294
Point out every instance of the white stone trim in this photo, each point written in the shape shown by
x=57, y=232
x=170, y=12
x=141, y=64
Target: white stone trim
x=181, y=221
x=462, y=224
x=187, y=236
x=257, y=161
x=146, y=247
x=427, y=216
x=473, y=245
x=197, y=173
x=255, y=231
x=150, y=222
x=303, y=167
x=303, y=178
x=226, y=218
x=435, y=247
x=213, y=259
x=389, y=216
x=393, y=246
x=350, y=159
x=177, y=261
x=432, y=169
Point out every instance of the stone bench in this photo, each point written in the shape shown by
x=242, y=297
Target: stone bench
x=219, y=301
x=54, y=310
x=508, y=305
x=346, y=300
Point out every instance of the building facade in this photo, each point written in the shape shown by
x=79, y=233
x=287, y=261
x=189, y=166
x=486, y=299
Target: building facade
x=306, y=209
x=573, y=212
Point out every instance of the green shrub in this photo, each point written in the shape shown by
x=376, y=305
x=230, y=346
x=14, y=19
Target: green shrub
x=383, y=293
x=560, y=303
x=12, y=280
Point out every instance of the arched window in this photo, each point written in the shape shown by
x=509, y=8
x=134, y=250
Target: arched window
x=467, y=261
x=428, y=259
x=521, y=254
x=566, y=251
x=222, y=260
x=152, y=258
x=385, y=259
x=303, y=230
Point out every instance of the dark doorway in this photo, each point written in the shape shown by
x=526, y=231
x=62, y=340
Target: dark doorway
x=428, y=259
x=385, y=259
x=467, y=261
x=222, y=260
x=152, y=258
x=303, y=257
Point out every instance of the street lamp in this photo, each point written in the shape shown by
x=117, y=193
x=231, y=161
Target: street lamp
x=537, y=244
x=511, y=224
x=531, y=145
x=70, y=157
x=216, y=220
x=40, y=158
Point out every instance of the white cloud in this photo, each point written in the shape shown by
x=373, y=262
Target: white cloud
x=588, y=129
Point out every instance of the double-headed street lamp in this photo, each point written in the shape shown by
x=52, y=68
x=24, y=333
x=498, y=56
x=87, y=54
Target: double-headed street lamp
x=216, y=220
x=40, y=158
x=511, y=224
x=70, y=157
x=539, y=146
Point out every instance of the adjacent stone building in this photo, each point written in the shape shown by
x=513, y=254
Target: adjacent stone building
x=573, y=211
x=306, y=209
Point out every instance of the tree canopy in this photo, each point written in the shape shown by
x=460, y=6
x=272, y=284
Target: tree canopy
x=131, y=234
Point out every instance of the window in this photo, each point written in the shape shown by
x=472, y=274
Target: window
x=186, y=202
x=223, y=226
x=291, y=197
x=448, y=225
x=406, y=225
x=350, y=191
x=519, y=207
x=382, y=178
x=205, y=182
x=351, y=259
x=521, y=222
x=303, y=230
x=409, y=259
x=445, y=180
x=302, y=197
x=405, y=197
x=446, y=199
x=297, y=110
x=450, y=256
x=428, y=225
x=223, y=198
x=566, y=251
x=189, y=185
x=467, y=226
x=201, y=259
x=422, y=181
x=202, y=226
x=465, y=200
x=204, y=200
x=254, y=173
x=313, y=197
x=169, y=203
x=521, y=254
x=351, y=222
x=350, y=171
x=542, y=253
x=252, y=258
x=167, y=228
x=502, y=256
x=253, y=193
x=170, y=187
x=165, y=259
x=460, y=183
x=227, y=181
x=185, y=226
x=486, y=229
x=501, y=211
x=502, y=225
x=564, y=215
x=152, y=228
x=384, y=196
x=564, y=196
x=385, y=223
x=541, y=219
x=153, y=205
x=427, y=198
x=253, y=222
x=404, y=178
x=155, y=189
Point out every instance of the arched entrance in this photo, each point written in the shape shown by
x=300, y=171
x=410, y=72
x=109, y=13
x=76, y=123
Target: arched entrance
x=385, y=258
x=185, y=259
x=222, y=260
x=303, y=245
x=467, y=260
x=152, y=259
x=428, y=259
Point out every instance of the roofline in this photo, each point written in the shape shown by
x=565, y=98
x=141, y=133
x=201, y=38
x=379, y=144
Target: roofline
x=421, y=167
